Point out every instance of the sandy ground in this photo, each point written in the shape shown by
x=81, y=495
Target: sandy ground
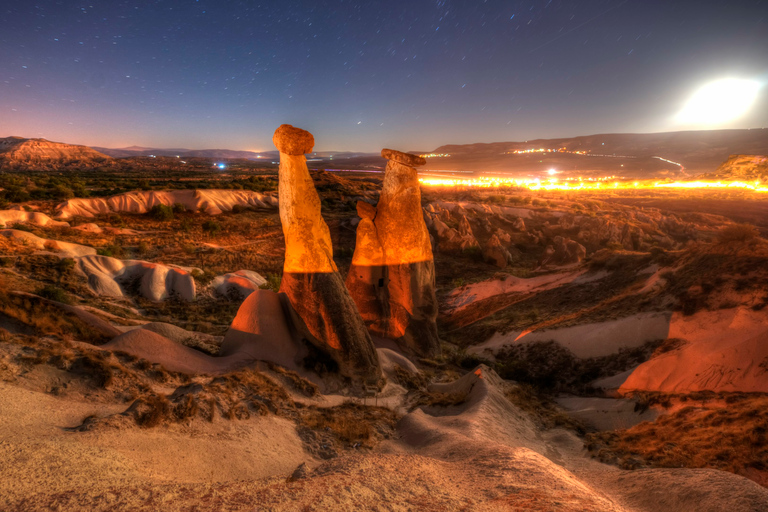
x=484, y=454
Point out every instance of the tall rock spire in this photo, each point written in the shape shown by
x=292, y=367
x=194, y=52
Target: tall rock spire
x=392, y=277
x=321, y=307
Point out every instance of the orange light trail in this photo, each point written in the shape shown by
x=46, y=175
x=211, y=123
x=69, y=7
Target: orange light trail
x=574, y=185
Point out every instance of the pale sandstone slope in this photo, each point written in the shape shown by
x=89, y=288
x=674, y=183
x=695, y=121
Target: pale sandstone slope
x=724, y=350
x=10, y=217
x=212, y=202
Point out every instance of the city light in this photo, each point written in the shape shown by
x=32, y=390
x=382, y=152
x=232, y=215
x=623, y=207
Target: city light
x=587, y=184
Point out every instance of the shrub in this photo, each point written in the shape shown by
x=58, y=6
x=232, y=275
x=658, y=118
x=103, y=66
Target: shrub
x=738, y=233
x=273, y=282
x=473, y=252
x=211, y=227
x=178, y=208
x=54, y=293
x=161, y=212
x=18, y=226
x=113, y=250
x=65, y=265
x=116, y=221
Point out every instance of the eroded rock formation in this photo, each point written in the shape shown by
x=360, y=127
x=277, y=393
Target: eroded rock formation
x=392, y=277
x=495, y=253
x=321, y=307
x=563, y=251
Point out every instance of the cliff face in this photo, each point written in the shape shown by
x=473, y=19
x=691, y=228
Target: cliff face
x=16, y=152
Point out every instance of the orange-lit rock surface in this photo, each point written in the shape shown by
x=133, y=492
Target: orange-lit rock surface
x=260, y=331
x=321, y=307
x=495, y=253
x=392, y=277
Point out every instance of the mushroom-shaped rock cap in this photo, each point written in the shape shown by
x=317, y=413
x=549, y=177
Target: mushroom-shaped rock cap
x=404, y=158
x=293, y=141
x=366, y=210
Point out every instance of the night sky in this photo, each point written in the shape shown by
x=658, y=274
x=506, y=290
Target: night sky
x=364, y=75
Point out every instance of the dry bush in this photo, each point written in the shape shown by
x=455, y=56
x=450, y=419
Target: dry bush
x=542, y=409
x=550, y=367
x=237, y=395
x=409, y=380
x=104, y=375
x=47, y=319
x=298, y=382
x=737, y=233
x=732, y=438
x=436, y=399
x=351, y=423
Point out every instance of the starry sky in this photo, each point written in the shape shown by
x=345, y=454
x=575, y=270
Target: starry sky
x=362, y=75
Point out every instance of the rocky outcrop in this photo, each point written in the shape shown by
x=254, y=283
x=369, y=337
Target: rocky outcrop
x=320, y=305
x=563, y=251
x=63, y=249
x=742, y=168
x=212, y=202
x=452, y=240
x=238, y=284
x=260, y=330
x=11, y=217
x=392, y=277
x=495, y=253
x=111, y=277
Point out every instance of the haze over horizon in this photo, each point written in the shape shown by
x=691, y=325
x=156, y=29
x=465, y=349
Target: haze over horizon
x=361, y=76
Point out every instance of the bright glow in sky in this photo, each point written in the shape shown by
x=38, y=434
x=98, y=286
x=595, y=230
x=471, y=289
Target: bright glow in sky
x=719, y=102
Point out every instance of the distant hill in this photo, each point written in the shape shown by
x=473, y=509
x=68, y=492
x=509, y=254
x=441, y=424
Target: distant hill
x=637, y=154
x=224, y=154
x=18, y=152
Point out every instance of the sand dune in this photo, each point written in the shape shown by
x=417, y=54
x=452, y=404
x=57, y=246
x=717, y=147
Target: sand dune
x=212, y=202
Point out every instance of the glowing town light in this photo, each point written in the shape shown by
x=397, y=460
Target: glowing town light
x=719, y=102
x=221, y=166
x=586, y=184
x=551, y=172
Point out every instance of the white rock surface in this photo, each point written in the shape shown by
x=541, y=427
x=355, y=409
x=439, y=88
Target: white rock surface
x=65, y=249
x=241, y=282
x=10, y=217
x=212, y=202
x=157, y=282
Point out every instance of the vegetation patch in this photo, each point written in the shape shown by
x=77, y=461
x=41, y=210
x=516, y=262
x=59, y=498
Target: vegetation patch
x=542, y=408
x=551, y=367
x=731, y=437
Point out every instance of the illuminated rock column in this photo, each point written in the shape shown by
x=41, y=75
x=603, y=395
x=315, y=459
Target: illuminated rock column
x=322, y=309
x=392, y=277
